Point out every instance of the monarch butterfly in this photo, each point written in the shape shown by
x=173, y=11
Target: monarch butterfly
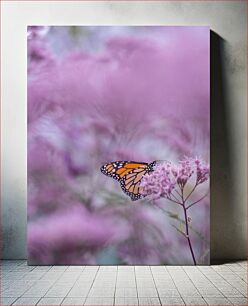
x=129, y=175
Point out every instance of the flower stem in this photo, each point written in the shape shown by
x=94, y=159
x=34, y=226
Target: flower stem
x=187, y=232
x=176, y=199
x=197, y=201
x=191, y=192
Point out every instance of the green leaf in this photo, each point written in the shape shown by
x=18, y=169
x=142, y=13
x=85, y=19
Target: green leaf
x=173, y=215
x=179, y=230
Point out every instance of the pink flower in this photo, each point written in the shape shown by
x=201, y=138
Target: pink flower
x=202, y=171
x=163, y=180
x=169, y=180
x=160, y=182
x=185, y=171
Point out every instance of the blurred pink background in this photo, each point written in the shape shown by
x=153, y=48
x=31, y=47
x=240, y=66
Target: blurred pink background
x=100, y=94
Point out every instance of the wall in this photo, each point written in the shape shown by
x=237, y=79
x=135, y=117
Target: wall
x=227, y=20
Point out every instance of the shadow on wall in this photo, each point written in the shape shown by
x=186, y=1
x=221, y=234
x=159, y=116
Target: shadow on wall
x=223, y=226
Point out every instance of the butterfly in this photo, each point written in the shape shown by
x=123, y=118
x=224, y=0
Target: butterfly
x=129, y=174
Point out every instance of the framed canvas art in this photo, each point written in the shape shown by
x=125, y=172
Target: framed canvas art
x=118, y=145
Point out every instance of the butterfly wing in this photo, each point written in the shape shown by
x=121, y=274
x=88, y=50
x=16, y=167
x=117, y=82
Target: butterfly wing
x=117, y=170
x=130, y=183
x=129, y=174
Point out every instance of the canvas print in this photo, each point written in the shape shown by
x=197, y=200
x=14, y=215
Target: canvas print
x=118, y=145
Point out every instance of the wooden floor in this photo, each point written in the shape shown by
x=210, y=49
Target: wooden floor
x=123, y=285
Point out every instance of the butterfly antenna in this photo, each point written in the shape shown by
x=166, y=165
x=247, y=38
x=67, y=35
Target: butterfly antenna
x=158, y=162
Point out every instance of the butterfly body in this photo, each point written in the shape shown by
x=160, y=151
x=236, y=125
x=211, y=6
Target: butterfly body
x=129, y=174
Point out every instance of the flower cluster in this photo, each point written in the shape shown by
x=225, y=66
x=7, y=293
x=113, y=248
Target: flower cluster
x=183, y=172
x=169, y=180
x=202, y=171
x=163, y=180
x=160, y=182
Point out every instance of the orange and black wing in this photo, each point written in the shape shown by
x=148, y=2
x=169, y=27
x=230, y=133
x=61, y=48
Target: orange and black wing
x=117, y=170
x=130, y=184
x=129, y=174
